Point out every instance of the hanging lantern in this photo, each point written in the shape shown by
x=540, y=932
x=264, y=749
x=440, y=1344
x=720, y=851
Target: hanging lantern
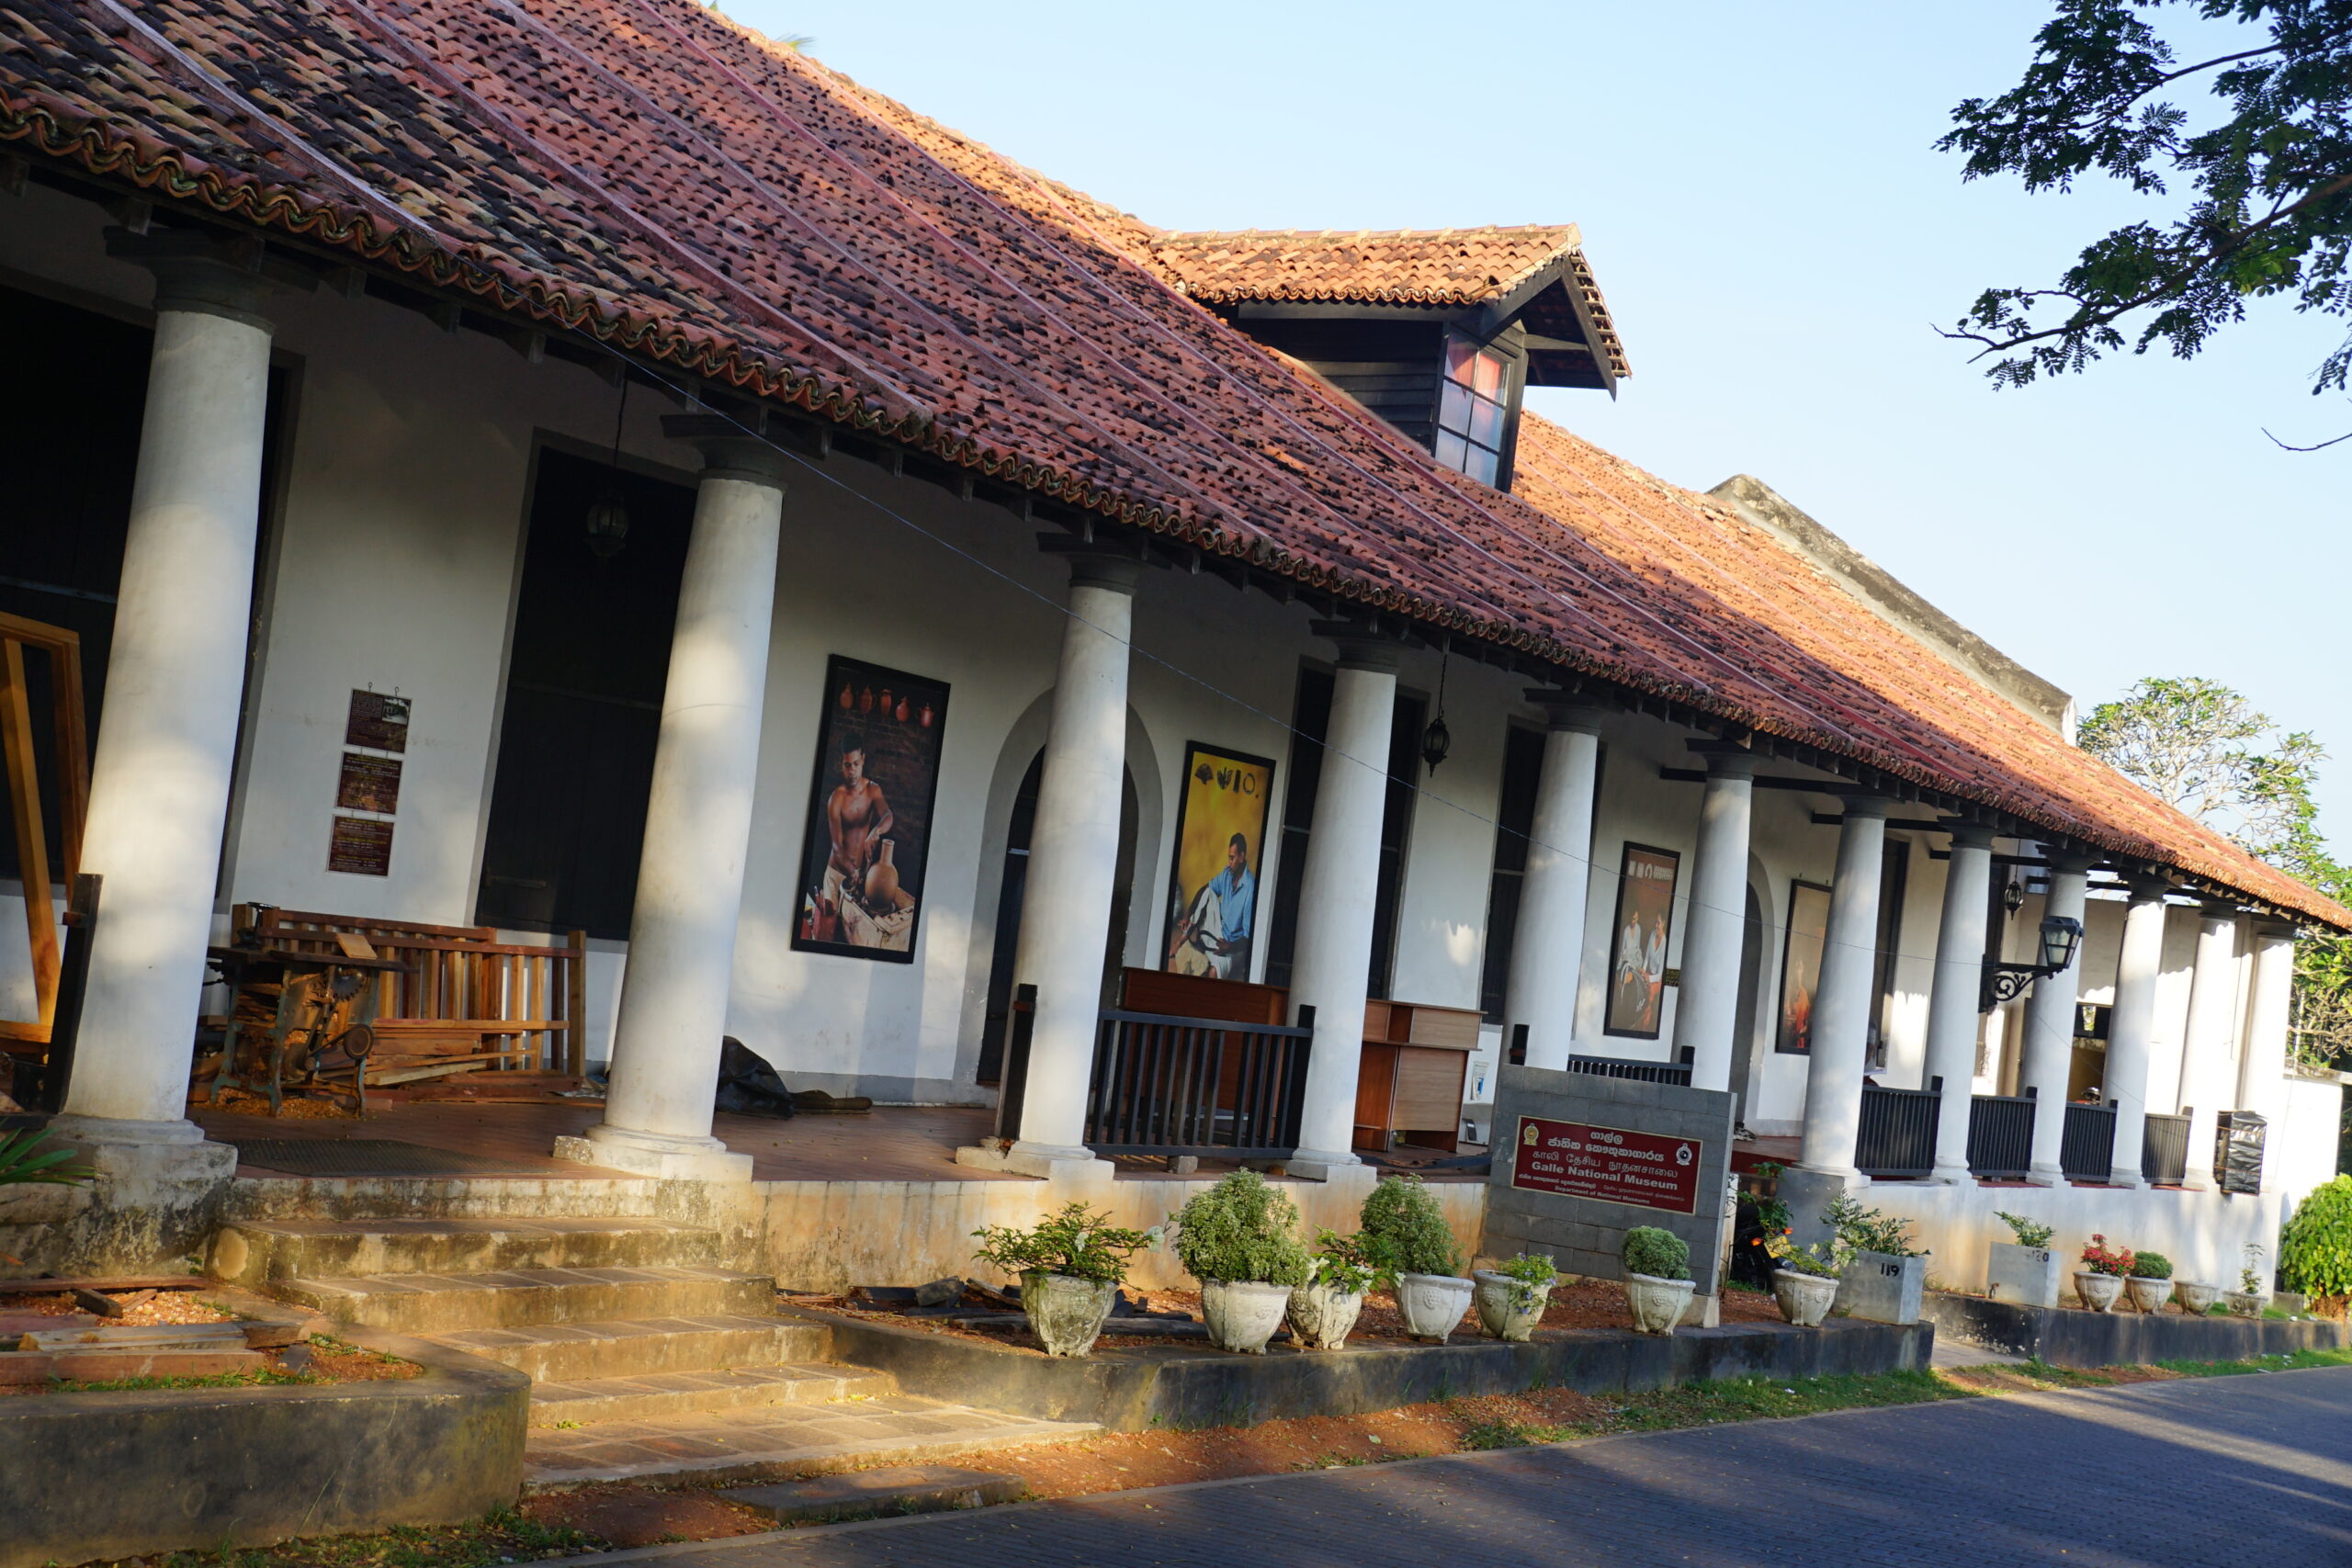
x=1436, y=741
x=608, y=524
x=2013, y=897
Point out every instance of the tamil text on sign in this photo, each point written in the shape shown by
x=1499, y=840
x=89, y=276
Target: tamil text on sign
x=1613, y=1164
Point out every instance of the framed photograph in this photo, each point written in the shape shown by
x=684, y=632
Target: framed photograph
x=1801, y=965
x=1638, y=941
x=870, y=812
x=1220, y=844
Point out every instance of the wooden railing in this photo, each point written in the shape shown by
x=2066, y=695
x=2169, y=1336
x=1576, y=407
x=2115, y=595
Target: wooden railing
x=2164, y=1150
x=466, y=1000
x=2000, y=1135
x=1641, y=1072
x=1897, y=1133
x=1197, y=1085
x=2086, y=1148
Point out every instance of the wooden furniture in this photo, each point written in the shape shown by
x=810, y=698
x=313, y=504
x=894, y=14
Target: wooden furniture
x=1198, y=995
x=1409, y=1081
x=68, y=778
x=459, y=1000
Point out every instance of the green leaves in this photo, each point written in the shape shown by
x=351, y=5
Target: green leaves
x=2315, y=1246
x=1073, y=1240
x=2264, y=156
x=1242, y=1229
x=1405, y=1230
x=22, y=1161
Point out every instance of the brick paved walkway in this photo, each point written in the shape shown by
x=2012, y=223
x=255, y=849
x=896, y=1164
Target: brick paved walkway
x=2252, y=1471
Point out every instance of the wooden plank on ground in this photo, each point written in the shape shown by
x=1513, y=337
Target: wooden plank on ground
x=49, y=1287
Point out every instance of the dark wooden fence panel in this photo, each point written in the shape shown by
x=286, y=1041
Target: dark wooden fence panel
x=2164, y=1150
x=1173, y=1085
x=2086, y=1148
x=2000, y=1136
x=1644, y=1072
x=1897, y=1136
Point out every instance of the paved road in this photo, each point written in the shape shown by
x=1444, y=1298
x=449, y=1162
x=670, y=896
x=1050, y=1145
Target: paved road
x=2253, y=1471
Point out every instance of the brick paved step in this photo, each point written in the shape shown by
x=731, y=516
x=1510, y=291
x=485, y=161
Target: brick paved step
x=254, y=1251
x=567, y=1352
x=581, y=1401
x=867, y=1493
x=431, y=1303
x=748, y=1445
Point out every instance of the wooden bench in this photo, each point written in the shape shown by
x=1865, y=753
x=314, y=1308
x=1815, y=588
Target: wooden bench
x=466, y=1001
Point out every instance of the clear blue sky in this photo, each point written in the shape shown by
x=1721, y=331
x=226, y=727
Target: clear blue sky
x=1775, y=235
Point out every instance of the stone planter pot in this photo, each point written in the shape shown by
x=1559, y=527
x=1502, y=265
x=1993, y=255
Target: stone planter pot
x=1882, y=1288
x=2148, y=1294
x=1432, y=1304
x=2245, y=1304
x=1242, y=1314
x=1499, y=1313
x=2026, y=1276
x=1804, y=1298
x=1322, y=1316
x=1658, y=1304
x=2195, y=1299
x=2099, y=1291
x=1067, y=1312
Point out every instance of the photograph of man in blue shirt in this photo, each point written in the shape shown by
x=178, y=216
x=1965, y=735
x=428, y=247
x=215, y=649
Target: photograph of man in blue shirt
x=1218, y=922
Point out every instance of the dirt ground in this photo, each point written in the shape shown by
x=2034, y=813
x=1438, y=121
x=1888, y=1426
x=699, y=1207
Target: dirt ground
x=139, y=1308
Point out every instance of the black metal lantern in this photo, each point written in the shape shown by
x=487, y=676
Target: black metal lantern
x=2060, y=936
x=1437, y=739
x=2013, y=897
x=607, y=522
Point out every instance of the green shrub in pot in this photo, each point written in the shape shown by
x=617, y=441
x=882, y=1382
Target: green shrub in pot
x=1658, y=1277
x=1324, y=1310
x=1070, y=1265
x=1239, y=1239
x=1405, y=1236
x=1510, y=1297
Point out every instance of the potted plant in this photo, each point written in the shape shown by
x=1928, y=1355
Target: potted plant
x=1413, y=1247
x=2150, y=1283
x=1324, y=1310
x=1658, y=1277
x=1239, y=1239
x=1884, y=1277
x=1070, y=1265
x=1512, y=1297
x=2023, y=1270
x=2194, y=1299
x=2315, y=1249
x=1805, y=1283
x=2246, y=1300
x=2100, y=1278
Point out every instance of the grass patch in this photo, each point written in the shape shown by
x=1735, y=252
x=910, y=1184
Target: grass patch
x=503, y=1536
x=265, y=1377
x=2285, y=1361
x=1738, y=1399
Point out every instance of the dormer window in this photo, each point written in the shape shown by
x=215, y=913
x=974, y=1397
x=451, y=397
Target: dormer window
x=1471, y=413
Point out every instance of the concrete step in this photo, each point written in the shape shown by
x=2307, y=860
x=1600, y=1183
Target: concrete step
x=871, y=1493
x=748, y=1445
x=580, y=1401
x=569, y=1352
x=252, y=1252
x=435, y=1303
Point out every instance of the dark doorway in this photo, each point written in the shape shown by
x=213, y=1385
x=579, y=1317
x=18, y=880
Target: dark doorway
x=583, y=703
x=1011, y=890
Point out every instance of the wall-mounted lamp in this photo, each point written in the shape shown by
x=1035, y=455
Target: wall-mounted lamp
x=2062, y=937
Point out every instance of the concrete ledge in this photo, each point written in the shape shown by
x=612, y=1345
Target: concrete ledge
x=1141, y=1388
x=107, y=1475
x=2068, y=1336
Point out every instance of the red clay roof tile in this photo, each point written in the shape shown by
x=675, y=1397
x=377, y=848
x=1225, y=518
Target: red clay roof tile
x=646, y=172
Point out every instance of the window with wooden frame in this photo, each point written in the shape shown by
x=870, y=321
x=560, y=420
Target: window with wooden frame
x=1473, y=411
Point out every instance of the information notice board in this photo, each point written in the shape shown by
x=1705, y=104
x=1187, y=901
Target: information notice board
x=1616, y=1164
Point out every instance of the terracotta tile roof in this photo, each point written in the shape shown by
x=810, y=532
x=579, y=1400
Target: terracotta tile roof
x=645, y=172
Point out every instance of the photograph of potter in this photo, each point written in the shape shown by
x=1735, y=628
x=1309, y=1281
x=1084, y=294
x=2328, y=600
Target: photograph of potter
x=870, y=812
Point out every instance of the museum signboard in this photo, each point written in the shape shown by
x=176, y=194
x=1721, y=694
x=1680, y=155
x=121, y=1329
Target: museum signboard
x=1615, y=1165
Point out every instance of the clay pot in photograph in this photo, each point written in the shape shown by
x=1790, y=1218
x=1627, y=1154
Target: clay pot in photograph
x=882, y=878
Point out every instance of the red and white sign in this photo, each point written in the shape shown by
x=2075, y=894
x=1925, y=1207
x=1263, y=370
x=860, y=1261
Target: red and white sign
x=1612, y=1164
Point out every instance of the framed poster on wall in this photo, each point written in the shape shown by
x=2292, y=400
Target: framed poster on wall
x=1638, y=942
x=870, y=812
x=1801, y=965
x=1220, y=844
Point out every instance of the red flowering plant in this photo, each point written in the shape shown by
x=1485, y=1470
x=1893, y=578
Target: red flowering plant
x=2100, y=1259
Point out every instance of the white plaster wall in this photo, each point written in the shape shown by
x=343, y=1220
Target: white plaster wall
x=2203, y=1232
x=2302, y=1152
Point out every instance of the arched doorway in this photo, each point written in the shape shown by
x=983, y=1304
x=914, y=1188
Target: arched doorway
x=1014, y=877
x=1743, y=1028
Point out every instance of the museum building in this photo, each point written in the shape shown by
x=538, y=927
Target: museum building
x=653, y=542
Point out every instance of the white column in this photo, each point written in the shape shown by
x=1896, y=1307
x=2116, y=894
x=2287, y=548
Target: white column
x=1547, y=953
x=1954, y=1020
x=697, y=823
x=2262, y=1086
x=1331, y=964
x=1073, y=865
x=159, y=784
x=2131, y=1028
x=1841, y=1007
x=2050, y=1027
x=2205, y=1077
x=1706, y=1004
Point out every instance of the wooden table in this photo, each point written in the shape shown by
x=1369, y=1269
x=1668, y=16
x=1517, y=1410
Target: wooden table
x=317, y=1027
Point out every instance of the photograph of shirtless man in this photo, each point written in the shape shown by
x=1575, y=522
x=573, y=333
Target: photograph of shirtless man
x=870, y=811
